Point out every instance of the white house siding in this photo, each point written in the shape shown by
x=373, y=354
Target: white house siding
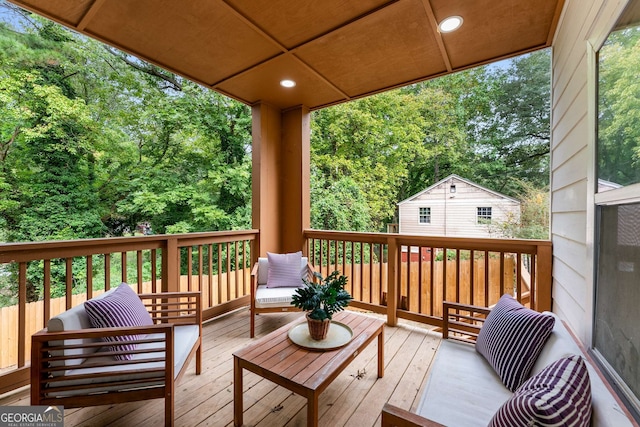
x=454, y=214
x=582, y=24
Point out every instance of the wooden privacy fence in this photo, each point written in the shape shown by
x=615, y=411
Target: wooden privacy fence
x=417, y=294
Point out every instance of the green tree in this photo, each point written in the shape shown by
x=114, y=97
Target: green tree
x=46, y=143
x=511, y=132
x=94, y=141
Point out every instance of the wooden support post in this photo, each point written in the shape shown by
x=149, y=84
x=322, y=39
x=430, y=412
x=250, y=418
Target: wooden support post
x=392, y=282
x=544, y=278
x=266, y=135
x=280, y=177
x=295, y=151
x=171, y=266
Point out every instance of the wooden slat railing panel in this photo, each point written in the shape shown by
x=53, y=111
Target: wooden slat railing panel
x=34, y=268
x=470, y=271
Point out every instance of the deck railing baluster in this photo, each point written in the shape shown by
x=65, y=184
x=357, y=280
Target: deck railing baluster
x=139, y=270
x=154, y=269
x=200, y=267
x=22, y=313
x=69, y=282
x=458, y=275
x=486, y=278
x=107, y=272
x=189, y=268
x=46, y=285
x=123, y=267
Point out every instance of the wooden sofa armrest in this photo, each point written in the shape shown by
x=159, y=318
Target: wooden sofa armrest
x=392, y=416
x=462, y=322
x=311, y=272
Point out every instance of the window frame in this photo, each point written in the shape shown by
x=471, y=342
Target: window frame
x=484, y=215
x=427, y=215
x=624, y=195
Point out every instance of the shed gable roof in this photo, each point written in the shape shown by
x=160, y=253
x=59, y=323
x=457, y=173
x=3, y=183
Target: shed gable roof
x=459, y=178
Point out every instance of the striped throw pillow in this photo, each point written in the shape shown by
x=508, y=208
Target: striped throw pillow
x=511, y=339
x=120, y=308
x=284, y=270
x=560, y=395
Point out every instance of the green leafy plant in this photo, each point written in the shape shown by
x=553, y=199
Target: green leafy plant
x=324, y=298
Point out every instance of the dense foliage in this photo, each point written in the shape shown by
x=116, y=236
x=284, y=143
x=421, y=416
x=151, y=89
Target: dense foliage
x=93, y=143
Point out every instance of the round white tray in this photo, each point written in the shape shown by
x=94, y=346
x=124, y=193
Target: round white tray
x=339, y=335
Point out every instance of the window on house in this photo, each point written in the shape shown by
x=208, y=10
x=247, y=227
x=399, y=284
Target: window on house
x=425, y=215
x=618, y=140
x=616, y=315
x=484, y=215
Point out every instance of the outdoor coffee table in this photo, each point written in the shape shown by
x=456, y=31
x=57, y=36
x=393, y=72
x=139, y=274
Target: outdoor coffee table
x=303, y=371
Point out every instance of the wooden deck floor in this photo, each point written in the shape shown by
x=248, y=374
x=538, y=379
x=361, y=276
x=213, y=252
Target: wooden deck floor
x=355, y=398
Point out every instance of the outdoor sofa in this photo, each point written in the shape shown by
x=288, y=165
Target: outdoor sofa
x=552, y=380
x=76, y=364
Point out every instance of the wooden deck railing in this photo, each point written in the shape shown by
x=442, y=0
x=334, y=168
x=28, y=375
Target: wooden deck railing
x=50, y=277
x=397, y=275
x=410, y=276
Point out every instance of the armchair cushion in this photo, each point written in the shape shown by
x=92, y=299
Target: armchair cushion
x=283, y=270
x=121, y=308
x=559, y=395
x=511, y=339
x=274, y=297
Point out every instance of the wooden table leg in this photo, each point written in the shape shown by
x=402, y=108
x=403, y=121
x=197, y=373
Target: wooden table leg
x=381, y=354
x=237, y=393
x=312, y=410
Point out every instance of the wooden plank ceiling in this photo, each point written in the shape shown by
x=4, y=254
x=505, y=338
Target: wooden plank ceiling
x=335, y=50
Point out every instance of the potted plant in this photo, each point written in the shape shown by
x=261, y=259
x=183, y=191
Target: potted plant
x=321, y=300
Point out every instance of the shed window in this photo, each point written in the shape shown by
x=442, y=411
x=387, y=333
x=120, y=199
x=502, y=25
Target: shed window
x=425, y=215
x=484, y=215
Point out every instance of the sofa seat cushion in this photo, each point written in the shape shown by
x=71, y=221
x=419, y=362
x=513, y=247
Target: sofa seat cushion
x=462, y=389
x=559, y=395
x=185, y=337
x=511, y=339
x=274, y=297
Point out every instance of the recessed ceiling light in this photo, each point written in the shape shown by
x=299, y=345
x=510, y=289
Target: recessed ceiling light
x=449, y=24
x=287, y=83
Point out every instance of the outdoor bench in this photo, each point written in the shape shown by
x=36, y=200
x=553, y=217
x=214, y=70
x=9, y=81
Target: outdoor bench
x=74, y=364
x=463, y=389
